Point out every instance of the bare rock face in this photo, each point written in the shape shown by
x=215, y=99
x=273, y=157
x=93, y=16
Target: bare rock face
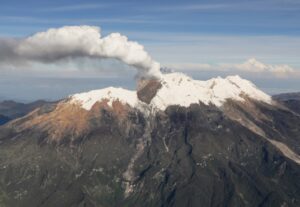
x=147, y=89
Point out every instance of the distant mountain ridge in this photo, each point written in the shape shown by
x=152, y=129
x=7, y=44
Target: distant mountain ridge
x=291, y=100
x=287, y=96
x=10, y=110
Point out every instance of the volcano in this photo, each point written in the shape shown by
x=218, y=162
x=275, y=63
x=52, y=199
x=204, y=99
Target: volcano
x=173, y=142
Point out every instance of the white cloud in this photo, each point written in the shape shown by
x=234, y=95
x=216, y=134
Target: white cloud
x=254, y=66
x=250, y=66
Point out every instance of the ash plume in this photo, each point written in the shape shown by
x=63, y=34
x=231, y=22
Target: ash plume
x=77, y=41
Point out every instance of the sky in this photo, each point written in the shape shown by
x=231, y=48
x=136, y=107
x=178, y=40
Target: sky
x=258, y=40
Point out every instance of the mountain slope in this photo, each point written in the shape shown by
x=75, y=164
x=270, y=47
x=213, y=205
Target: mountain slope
x=220, y=142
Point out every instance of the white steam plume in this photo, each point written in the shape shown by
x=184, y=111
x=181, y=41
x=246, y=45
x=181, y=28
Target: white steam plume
x=78, y=41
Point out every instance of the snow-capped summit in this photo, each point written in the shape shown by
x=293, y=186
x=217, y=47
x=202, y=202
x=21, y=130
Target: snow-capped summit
x=179, y=89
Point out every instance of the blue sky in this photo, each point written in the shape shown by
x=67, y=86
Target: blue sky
x=196, y=37
x=226, y=17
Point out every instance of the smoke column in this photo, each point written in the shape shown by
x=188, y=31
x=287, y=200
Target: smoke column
x=78, y=41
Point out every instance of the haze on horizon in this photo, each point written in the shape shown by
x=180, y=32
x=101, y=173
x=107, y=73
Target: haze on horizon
x=258, y=40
